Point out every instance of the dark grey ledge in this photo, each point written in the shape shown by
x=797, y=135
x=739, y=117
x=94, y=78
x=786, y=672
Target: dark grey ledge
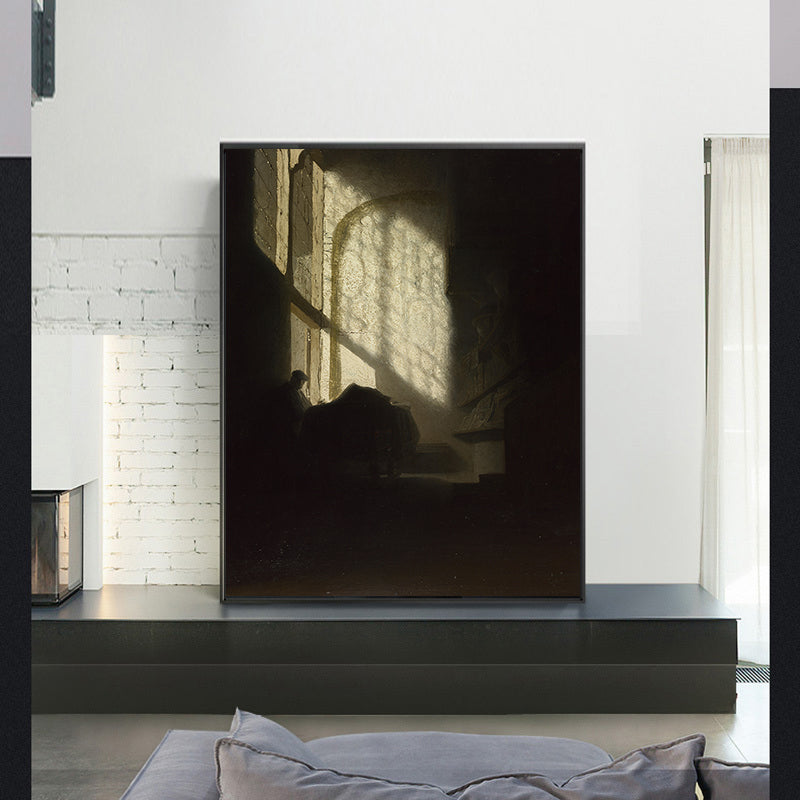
x=630, y=648
x=635, y=601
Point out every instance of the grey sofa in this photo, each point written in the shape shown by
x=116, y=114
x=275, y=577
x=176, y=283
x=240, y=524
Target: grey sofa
x=257, y=759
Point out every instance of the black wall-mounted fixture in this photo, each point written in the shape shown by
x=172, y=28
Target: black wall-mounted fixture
x=43, y=50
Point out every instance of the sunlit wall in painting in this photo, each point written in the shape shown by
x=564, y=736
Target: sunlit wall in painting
x=388, y=302
x=385, y=233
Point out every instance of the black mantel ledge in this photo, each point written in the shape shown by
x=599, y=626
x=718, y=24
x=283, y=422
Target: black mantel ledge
x=629, y=648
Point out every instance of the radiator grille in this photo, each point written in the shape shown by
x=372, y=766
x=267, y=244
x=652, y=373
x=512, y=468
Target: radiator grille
x=759, y=674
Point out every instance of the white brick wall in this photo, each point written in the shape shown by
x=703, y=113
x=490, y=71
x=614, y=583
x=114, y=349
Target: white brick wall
x=161, y=447
x=125, y=284
x=156, y=300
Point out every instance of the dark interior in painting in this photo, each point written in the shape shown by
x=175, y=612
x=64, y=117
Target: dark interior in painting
x=403, y=372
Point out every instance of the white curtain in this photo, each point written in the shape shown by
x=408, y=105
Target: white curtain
x=734, y=563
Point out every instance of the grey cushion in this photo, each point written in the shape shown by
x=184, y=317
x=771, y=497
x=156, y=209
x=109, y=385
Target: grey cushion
x=264, y=734
x=244, y=773
x=180, y=768
x=449, y=760
x=657, y=772
x=731, y=780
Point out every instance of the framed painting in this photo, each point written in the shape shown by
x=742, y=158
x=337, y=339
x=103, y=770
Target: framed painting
x=402, y=371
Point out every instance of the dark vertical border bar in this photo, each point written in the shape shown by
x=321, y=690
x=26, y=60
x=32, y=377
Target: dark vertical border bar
x=15, y=467
x=706, y=235
x=582, y=598
x=785, y=428
x=223, y=243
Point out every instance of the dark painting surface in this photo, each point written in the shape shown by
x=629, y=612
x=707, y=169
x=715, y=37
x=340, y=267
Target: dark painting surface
x=402, y=372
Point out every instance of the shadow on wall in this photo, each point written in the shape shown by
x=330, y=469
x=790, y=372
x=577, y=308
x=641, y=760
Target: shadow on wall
x=389, y=307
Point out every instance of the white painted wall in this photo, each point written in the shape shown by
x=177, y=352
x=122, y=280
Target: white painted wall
x=146, y=90
x=66, y=429
x=66, y=410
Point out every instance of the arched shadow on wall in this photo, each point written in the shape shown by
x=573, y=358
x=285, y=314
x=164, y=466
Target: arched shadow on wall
x=388, y=302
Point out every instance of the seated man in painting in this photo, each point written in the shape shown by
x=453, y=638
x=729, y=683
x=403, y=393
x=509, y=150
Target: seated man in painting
x=293, y=402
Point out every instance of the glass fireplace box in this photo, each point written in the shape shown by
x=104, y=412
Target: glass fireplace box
x=56, y=545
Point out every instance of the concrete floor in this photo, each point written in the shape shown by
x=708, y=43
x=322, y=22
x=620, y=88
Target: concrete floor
x=95, y=756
